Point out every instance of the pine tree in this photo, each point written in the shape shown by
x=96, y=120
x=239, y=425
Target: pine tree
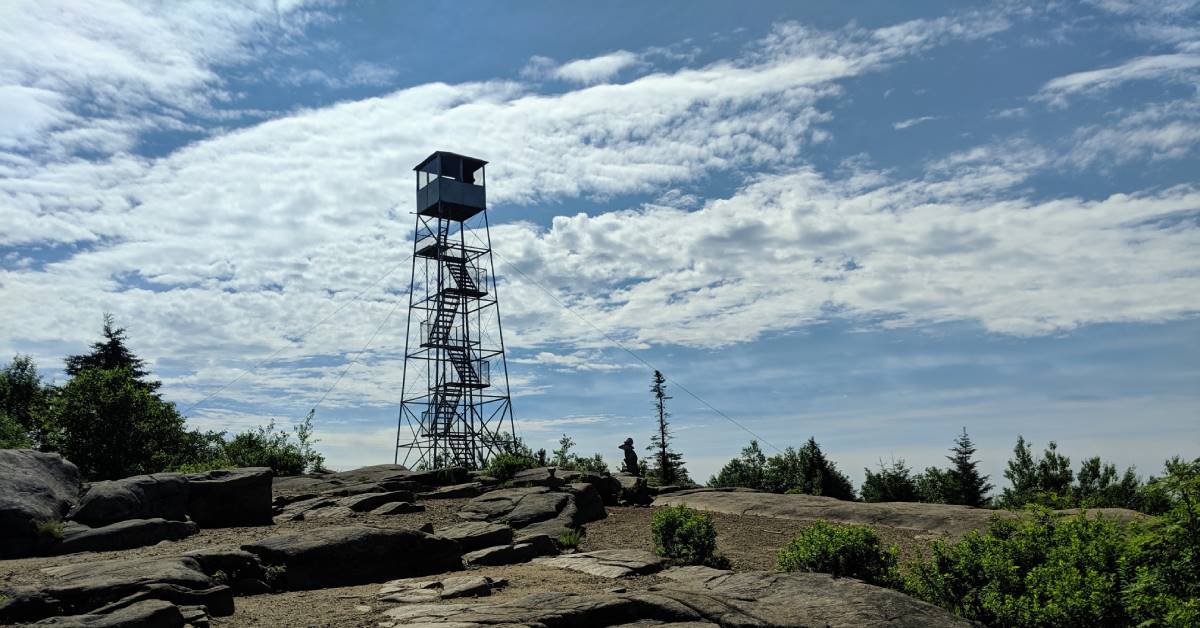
x=668, y=465
x=970, y=487
x=111, y=353
x=1022, y=474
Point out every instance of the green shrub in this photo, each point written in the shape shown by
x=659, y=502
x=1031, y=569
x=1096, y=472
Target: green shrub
x=893, y=483
x=48, y=532
x=1040, y=570
x=505, y=465
x=685, y=536
x=570, y=539
x=842, y=551
x=275, y=576
x=1049, y=570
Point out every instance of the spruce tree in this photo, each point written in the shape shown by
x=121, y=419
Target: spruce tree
x=970, y=487
x=111, y=353
x=668, y=465
x=1022, y=474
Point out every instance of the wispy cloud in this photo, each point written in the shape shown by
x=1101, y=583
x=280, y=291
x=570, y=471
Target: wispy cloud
x=583, y=71
x=911, y=122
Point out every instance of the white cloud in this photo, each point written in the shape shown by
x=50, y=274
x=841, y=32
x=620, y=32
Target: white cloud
x=97, y=70
x=904, y=124
x=1174, y=67
x=597, y=69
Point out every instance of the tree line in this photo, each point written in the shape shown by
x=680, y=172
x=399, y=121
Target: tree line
x=110, y=420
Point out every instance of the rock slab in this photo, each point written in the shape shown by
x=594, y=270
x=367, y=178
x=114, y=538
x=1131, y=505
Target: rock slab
x=348, y=555
x=726, y=599
x=476, y=535
x=122, y=535
x=612, y=563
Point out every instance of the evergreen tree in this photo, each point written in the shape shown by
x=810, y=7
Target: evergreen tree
x=1022, y=474
x=745, y=472
x=806, y=470
x=893, y=483
x=668, y=465
x=111, y=353
x=970, y=488
x=1054, y=473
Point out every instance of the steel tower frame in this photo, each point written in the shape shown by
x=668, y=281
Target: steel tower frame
x=457, y=413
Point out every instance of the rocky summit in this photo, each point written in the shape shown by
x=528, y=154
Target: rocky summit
x=387, y=546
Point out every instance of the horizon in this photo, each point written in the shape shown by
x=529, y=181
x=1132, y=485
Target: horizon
x=874, y=226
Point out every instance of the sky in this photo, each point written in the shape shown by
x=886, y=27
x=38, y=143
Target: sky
x=872, y=223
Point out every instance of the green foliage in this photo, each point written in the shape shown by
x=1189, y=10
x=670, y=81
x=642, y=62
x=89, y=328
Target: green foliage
x=969, y=488
x=504, y=466
x=935, y=486
x=114, y=427
x=48, y=532
x=1048, y=481
x=111, y=353
x=564, y=459
x=275, y=576
x=842, y=551
x=1165, y=553
x=570, y=539
x=893, y=483
x=25, y=419
x=220, y=577
x=12, y=433
x=685, y=536
x=1041, y=570
x=667, y=466
x=805, y=470
x=1081, y=570
x=748, y=471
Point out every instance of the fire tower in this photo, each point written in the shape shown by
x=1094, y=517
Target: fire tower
x=455, y=405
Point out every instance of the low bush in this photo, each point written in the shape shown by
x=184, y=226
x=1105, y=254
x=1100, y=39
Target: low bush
x=504, y=466
x=685, y=536
x=1045, y=569
x=842, y=551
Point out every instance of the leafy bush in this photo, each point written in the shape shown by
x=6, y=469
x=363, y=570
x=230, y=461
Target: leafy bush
x=685, y=536
x=12, y=433
x=504, y=466
x=1048, y=570
x=49, y=532
x=1040, y=570
x=842, y=551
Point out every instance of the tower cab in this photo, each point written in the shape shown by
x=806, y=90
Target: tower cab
x=450, y=186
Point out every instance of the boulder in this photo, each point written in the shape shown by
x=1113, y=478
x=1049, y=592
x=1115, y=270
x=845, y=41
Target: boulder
x=122, y=535
x=371, y=501
x=36, y=492
x=507, y=554
x=156, y=496
x=230, y=497
x=517, y=507
x=744, y=599
x=348, y=555
x=613, y=563
x=413, y=590
x=384, y=477
x=476, y=535
x=588, y=503
x=398, y=508
x=540, y=476
x=470, y=489
x=144, y=614
x=633, y=489
x=608, y=487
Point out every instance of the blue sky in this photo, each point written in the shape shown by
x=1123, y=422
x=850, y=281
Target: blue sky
x=873, y=223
